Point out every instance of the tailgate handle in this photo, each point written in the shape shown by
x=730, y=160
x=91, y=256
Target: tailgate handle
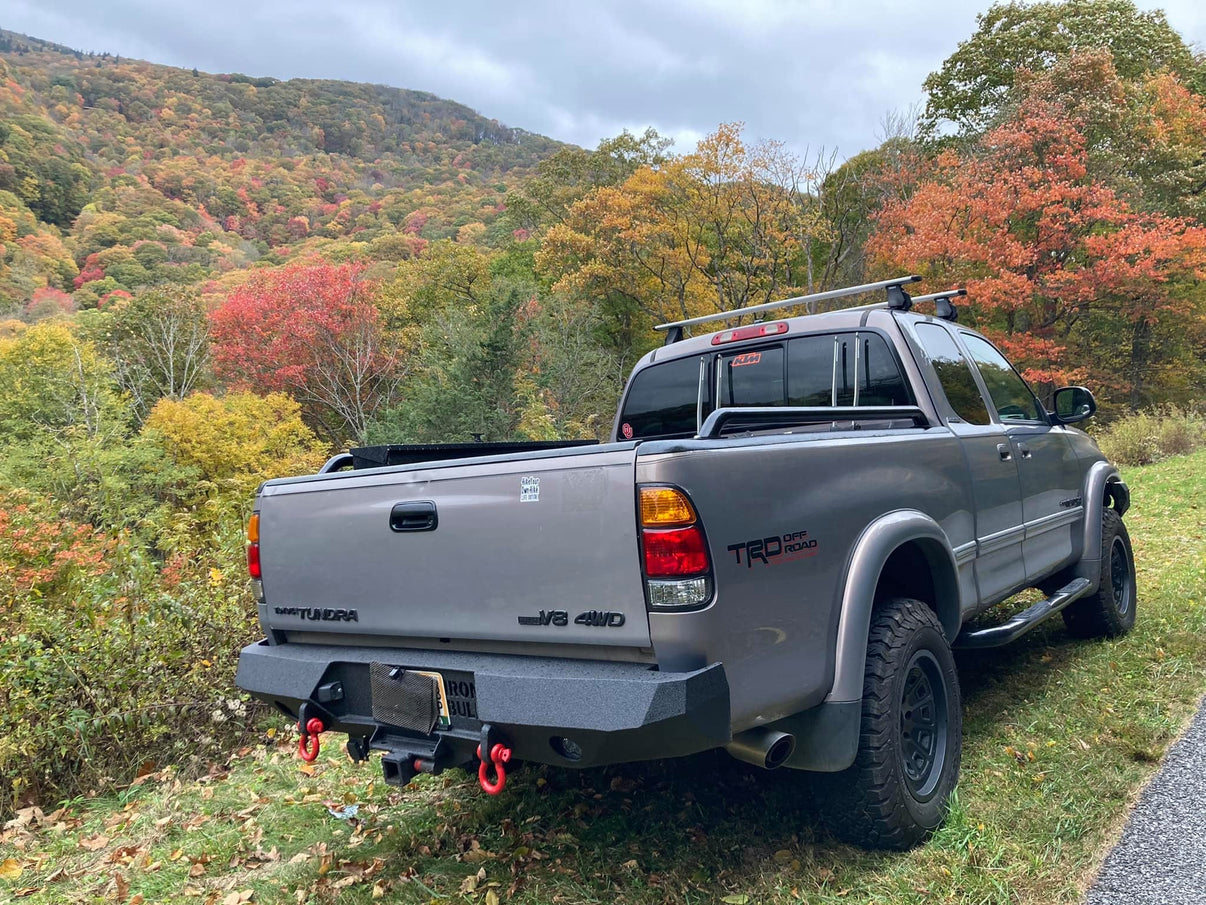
x=417, y=515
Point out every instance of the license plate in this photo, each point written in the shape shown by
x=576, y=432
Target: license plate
x=445, y=718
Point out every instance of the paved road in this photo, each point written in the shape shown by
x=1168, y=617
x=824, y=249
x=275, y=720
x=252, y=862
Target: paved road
x=1161, y=857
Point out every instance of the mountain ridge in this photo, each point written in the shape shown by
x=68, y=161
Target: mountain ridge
x=102, y=155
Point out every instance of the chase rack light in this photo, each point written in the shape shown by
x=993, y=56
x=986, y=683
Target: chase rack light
x=897, y=299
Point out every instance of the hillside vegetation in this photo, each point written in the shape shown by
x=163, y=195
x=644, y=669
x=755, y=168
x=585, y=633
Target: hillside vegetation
x=120, y=174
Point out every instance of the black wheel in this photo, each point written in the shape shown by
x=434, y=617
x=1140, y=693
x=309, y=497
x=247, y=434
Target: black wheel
x=896, y=792
x=1111, y=611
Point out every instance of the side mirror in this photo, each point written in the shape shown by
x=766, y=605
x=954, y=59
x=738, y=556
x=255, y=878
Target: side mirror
x=1072, y=404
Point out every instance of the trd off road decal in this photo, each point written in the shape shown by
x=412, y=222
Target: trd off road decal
x=774, y=549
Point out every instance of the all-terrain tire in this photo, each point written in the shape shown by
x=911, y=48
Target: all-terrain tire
x=1109, y=612
x=897, y=791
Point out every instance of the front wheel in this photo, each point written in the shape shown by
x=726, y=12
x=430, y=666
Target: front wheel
x=1111, y=611
x=910, y=743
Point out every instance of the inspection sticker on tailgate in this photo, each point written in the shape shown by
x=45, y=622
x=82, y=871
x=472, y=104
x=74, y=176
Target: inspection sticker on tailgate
x=529, y=489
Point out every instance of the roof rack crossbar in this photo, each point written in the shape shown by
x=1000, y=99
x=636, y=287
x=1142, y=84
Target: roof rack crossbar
x=893, y=287
x=934, y=296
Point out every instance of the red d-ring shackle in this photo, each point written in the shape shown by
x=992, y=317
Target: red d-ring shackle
x=309, y=737
x=500, y=754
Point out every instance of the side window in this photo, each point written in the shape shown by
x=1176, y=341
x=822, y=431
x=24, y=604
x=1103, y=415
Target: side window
x=1008, y=391
x=752, y=378
x=810, y=370
x=661, y=401
x=954, y=373
x=821, y=371
x=881, y=382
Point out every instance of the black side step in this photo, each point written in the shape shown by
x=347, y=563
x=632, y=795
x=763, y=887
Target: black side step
x=1018, y=625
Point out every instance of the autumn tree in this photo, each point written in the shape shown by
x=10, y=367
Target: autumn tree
x=55, y=388
x=158, y=343
x=974, y=81
x=721, y=228
x=572, y=173
x=233, y=443
x=1049, y=253
x=311, y=331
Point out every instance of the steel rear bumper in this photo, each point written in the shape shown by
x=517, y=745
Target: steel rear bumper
x=612, y=712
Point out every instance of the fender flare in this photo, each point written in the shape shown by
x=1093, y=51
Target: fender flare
x=871, y=551
x=1102, y=483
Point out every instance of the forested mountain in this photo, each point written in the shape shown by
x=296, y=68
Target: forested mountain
x=117, y=174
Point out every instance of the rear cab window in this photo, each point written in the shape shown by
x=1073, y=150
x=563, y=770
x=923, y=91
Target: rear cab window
x=818, y=370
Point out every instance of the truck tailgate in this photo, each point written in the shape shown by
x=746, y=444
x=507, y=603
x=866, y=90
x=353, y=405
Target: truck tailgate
x=520, y=550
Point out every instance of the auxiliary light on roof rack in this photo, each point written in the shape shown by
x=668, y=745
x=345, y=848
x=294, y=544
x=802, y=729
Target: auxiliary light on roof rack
x=897, y=299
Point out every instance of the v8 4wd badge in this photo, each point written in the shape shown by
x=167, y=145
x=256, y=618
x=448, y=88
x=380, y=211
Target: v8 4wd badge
x=597, y=618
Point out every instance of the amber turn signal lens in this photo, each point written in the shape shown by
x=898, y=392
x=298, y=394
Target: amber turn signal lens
x=665, y=507
x=253, y=528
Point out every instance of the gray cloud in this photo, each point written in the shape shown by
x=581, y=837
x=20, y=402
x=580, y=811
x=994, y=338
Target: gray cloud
x=813, y=73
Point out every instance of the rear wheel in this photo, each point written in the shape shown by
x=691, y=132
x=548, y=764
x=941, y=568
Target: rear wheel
x=1111, y=611
x=897, y=791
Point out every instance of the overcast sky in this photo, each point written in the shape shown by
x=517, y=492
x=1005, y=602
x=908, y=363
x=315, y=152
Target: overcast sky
x=814, y=73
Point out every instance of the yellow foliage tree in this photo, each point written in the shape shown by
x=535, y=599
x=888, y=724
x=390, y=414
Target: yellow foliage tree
x=236, y=441
x=718, y=229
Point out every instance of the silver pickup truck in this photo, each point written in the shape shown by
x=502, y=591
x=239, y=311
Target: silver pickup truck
x=790, y=530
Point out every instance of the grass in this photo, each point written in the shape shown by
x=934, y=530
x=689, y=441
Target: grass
x=1060, y=736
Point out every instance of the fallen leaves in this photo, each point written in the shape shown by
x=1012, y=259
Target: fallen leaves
x=10, y=869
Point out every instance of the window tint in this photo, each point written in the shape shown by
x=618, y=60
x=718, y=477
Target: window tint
x=662, y=401
x=881, y=382
x=954, y=373
x=810, y=370
x=1009, y=394
x=820, y=371
x=752, y=378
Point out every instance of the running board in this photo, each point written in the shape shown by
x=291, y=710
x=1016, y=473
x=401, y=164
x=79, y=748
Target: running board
x=1018, y=625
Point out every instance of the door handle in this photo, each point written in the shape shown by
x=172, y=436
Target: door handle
x=1004, y=452
x=418, y=515
x=1024, y=450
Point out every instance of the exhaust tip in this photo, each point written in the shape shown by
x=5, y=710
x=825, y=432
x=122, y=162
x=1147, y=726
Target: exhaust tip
x=762, y=747
x=779, y=751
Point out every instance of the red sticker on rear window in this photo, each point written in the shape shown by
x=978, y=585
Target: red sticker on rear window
x=747, y=358
x=626, y=430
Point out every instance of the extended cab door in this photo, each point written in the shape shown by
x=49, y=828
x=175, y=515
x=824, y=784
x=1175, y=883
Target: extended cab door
x=1047, y=464
x=992, y=466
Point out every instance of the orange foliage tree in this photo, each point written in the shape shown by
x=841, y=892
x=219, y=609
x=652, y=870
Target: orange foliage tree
x=1061, y=270
x=311, y=331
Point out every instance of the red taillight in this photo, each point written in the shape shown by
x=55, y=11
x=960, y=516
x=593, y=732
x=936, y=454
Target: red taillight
x=253, y=545
x=740, y=333
x=674, y=553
